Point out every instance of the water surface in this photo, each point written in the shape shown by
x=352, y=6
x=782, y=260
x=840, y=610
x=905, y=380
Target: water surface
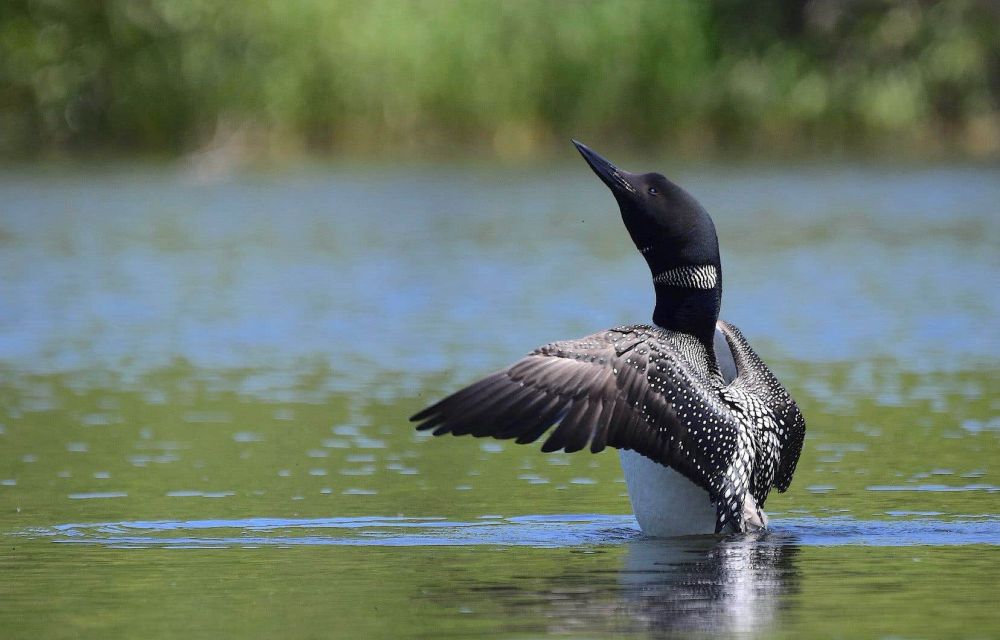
x=204, y=389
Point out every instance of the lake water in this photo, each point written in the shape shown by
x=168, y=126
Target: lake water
x=205, y=385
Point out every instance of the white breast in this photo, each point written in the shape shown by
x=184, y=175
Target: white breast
x=664, y=502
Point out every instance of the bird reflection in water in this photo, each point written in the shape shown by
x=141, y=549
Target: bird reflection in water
x=734, y=585
x=697, y=584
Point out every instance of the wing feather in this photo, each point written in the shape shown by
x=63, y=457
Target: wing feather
x=626, y=388
x=789, y=427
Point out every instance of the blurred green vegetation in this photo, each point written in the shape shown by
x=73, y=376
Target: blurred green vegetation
x=508, y=78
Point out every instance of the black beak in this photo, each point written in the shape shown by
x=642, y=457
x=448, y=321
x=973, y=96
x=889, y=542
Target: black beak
x=607, y=172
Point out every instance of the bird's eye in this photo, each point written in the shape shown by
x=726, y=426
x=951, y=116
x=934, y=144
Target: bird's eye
x=653, y=191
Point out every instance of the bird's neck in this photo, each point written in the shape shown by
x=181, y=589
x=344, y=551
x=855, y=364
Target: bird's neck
x=688, y=289
x=689, y=310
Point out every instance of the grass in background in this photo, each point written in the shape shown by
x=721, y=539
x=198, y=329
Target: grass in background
x=511, y=78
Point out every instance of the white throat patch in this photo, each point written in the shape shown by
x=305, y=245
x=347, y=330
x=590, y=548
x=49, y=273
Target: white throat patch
x=704, y=276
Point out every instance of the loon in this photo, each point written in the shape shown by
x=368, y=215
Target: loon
x=704, y=429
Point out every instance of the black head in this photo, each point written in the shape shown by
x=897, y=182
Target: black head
x=676, y=236
x=664, y=221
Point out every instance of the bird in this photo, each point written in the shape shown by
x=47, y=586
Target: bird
x=703, y=427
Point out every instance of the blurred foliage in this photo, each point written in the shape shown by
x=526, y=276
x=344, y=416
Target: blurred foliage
x=394, y=76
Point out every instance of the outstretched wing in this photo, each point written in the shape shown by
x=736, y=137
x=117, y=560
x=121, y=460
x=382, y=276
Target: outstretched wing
x=785, y=427
x=633, y=388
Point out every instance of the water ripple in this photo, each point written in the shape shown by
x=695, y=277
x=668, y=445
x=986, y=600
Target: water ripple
x=543, y=531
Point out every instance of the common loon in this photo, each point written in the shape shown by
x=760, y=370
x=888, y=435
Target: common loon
x=703, y=427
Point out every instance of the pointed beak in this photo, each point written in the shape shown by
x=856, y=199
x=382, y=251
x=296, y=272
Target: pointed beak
x=607, y=172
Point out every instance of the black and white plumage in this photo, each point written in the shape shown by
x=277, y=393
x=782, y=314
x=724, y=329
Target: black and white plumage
x=657, y=390
x=700, y=277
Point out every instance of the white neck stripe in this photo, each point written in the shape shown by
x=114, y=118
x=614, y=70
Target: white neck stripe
x=704, y=276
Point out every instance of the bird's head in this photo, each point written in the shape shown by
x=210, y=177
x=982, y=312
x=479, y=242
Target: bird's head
x=666, y=223
x=676, y=236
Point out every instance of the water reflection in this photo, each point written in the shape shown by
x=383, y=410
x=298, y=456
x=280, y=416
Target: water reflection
x=695, y=584
x=733, y=586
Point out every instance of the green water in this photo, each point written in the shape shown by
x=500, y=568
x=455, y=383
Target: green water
x=204, y=390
